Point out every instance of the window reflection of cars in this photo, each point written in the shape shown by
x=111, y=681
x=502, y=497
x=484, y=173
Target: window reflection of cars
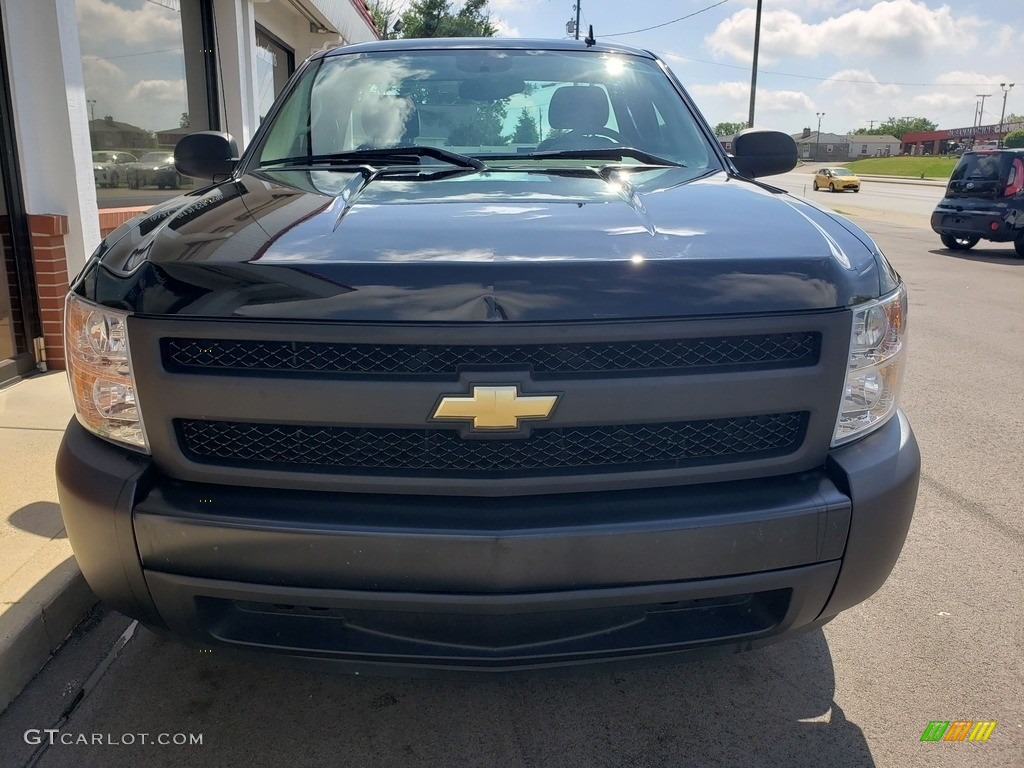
x=154, y=169
x=836, y=180
x=109, y=169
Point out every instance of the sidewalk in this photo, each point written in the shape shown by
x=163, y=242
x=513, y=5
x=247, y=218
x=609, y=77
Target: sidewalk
x=42, y=592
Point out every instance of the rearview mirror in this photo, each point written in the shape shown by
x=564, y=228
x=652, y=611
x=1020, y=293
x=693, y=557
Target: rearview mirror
x=763, y=153
x=206, y=155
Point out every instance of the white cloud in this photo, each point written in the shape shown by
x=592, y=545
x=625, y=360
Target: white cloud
x=971, y=79
x=102, y=24
x=158, y=90
x=737, y=94
x=902, y=29
x=105, y=83
x=504, y=28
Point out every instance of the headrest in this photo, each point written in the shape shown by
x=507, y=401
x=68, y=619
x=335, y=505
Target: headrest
x=578, y=107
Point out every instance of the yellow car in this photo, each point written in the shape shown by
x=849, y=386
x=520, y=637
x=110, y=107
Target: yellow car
x=836, y=180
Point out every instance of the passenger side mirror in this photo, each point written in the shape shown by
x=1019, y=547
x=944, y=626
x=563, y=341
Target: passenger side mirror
x=206, y=155
x=763, y=153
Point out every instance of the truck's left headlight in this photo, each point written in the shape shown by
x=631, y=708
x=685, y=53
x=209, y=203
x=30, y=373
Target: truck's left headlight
x=878, y=357
x=100, y=373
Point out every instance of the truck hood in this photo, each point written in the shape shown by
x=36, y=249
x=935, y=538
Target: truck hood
x=549, y=246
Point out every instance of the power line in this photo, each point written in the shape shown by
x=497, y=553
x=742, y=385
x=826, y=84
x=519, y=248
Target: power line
x=833, y=79
x=89, y=57
x=665, y=24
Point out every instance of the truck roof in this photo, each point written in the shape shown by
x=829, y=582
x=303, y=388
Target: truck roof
x=489, y=43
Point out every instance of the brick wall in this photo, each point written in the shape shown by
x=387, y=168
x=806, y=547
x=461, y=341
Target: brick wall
x=46, y=237
x=49, y=259
x=112, y=218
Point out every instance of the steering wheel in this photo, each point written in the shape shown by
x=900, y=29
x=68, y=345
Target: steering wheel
x=574, y=138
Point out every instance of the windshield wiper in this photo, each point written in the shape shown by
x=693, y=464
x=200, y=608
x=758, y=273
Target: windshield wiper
x=388, y=155
x=609, y=153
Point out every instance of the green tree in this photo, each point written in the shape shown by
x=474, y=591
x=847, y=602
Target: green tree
x=435, y=18
x=484, y=130
x=897, y=126
x=526, y=129
x=1014, y=140
x=384, y=14
x=183, y=122
x=728, y=129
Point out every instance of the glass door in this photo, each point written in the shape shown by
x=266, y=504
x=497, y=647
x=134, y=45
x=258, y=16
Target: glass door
x=19, y=317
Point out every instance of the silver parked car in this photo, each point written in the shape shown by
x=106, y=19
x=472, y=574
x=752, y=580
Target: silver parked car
x=110, y=168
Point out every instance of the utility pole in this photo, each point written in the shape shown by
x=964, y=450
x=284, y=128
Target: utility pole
x=817, y=136
x=1002, y=115
x=753, y=68
x=981, y=109
x=578, y=3
x=871, y=124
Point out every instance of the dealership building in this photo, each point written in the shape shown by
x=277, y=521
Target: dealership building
x=93, y=92
x=953, y=139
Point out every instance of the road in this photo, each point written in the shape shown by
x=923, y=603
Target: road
x=942, y=640
x=895, y=202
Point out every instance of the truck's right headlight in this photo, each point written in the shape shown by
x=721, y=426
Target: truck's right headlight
x=100, y=372
x=878, y=345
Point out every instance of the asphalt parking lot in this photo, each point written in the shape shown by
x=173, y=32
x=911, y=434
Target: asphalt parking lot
x=942, y=640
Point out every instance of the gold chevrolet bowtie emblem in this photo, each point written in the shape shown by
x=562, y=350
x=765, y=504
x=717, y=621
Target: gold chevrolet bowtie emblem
x=495, y=407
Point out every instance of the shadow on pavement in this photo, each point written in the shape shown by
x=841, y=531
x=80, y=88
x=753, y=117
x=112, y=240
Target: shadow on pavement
x=770, y=707
x=989, y=256
x=41, y=518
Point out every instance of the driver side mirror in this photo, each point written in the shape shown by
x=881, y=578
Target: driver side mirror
x=763, y=153
x=206, y=155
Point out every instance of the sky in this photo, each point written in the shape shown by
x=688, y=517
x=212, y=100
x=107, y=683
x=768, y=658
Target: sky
x=132, y=61
x=855, y=60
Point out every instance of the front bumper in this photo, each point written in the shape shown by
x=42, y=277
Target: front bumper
x=414, y=583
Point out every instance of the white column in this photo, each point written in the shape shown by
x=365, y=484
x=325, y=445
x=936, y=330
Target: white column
x=51, y=118
x=236, y=62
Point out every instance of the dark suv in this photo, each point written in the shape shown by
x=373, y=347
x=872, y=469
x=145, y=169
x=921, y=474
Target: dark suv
x=485, y=356
x=984, y=201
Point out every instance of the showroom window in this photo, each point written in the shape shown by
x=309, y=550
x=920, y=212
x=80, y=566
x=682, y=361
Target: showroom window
x=149, y=80
x=275, y=63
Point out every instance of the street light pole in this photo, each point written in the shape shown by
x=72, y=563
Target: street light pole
x=817, y=136
x=1002, y=115
x=753, y=68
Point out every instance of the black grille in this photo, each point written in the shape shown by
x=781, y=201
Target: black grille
x=433, y=451
x=309, y=359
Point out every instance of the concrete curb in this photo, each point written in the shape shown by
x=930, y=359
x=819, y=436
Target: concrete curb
x=927, y=182
x=32, y=629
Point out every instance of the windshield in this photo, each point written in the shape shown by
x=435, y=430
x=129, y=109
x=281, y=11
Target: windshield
x=485, y=104
x=982, y=166
x=841, y=172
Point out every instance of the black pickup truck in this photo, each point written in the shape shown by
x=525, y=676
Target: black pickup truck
x=485, y=356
